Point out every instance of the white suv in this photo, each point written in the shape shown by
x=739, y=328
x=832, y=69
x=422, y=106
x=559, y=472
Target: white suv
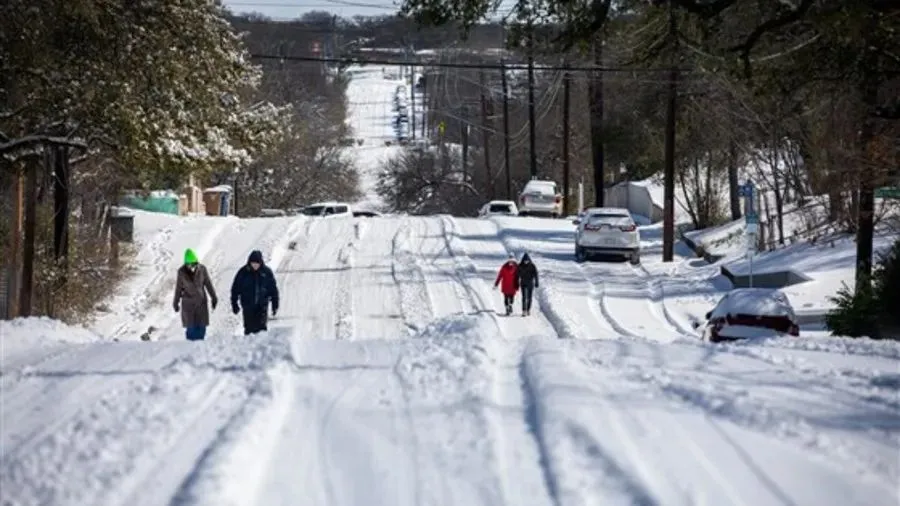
x=607, y=230
x=540, y=197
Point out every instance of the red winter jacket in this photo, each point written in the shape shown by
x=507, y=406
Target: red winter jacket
x=508, y=278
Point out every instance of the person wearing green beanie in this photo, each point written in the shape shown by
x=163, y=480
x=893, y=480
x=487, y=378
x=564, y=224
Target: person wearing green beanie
x=192, y=284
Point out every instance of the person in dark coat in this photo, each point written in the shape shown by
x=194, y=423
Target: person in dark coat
x=508, y=281
x=528, y=281
x=253, y=288
x=192, y=283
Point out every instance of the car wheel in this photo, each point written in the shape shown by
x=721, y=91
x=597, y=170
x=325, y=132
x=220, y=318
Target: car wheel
x=580, y=255
x=635, y=259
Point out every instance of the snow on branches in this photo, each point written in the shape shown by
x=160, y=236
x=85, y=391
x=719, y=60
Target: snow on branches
x=160, y=82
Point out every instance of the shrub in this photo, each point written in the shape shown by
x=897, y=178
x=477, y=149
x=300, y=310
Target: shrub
x=870, y=311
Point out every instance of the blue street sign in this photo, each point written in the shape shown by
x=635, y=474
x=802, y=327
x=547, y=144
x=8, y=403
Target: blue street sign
x=746, y=190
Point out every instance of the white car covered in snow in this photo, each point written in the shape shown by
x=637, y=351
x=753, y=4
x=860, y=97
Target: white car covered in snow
x=328, y=209
x=540, y=197
x=607, y=231
x=498, y=208
x=747, y=313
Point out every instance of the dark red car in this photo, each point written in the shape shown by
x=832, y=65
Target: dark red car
x=751, y=313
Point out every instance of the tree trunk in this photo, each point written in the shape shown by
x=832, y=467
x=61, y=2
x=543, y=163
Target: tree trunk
x=26, y=289
x=733, y=198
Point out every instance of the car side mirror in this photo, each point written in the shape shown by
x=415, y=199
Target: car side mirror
x=708, y=315
x=576, y=222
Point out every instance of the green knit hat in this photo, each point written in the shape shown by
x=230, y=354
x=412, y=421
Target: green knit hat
x=190, y=257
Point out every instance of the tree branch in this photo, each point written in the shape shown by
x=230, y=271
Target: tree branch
x=786, y=18
x=704, y=10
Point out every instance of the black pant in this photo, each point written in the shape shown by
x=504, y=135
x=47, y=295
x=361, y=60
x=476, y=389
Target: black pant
x=527, y=293
x=255, y=320
x=508, y=300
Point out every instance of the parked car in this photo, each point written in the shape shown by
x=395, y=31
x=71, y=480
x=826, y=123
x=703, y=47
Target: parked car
x=607, y=231
x=540, y=197
x=328, y=209
x=748, y=313
x=499, y=208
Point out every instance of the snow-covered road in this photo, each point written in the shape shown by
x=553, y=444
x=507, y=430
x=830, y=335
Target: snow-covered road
x=390, y=378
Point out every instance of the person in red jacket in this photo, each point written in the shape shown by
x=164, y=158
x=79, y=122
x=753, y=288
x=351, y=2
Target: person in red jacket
x=508, y=280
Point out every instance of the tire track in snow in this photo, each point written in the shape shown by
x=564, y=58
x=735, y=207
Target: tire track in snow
x=343, y=296
x=416, y=302
x=770, y=410
x=575, y=465
x=638, y=296
x=567, y=318
x=137, y=442
x=46, y=392
x=464, y=270
x=511, y=384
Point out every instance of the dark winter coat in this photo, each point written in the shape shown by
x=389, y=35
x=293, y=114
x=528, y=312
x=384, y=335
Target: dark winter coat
x=254, y=289
x=528, y=273
x=508, y=278
x=191, y=288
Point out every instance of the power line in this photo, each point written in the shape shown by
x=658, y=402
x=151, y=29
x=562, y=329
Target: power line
x=475, y=66
x=327, y=3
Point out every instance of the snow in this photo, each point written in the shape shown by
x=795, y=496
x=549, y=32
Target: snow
x=390, y=377
x=370, y=95
x=756, y=302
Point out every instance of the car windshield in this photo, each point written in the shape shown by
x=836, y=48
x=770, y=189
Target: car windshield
x=608, y=218
x=313, y=210
x=501, y=208
x=544, y=188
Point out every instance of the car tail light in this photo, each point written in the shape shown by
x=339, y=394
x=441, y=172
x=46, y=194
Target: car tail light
x=628, y=228
x=558, y=199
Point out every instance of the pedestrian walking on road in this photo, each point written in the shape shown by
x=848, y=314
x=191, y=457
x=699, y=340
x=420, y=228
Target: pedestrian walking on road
x=253, y=288
x=528, y=281
x=192, y=284
x=508, y=281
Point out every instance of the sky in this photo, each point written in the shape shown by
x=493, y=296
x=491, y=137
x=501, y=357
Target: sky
x=291, y=9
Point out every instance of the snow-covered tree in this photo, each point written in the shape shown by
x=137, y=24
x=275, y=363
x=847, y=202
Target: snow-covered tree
x=155, y=85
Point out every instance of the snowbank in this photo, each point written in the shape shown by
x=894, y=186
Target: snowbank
x=26, y=340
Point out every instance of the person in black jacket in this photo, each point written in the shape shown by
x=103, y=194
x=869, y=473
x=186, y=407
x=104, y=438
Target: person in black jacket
x=254, y=287
x=528, y=281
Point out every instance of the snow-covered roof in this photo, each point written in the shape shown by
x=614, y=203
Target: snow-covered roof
x=503, y=202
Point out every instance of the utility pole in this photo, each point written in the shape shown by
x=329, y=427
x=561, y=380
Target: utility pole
x=669, y=173
x=487, y=107
x=596, y=101
x=531, y=126
x=503, y=84
x=465, y=150
x=565, y=146
x=412, y=96
x=425, y=109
